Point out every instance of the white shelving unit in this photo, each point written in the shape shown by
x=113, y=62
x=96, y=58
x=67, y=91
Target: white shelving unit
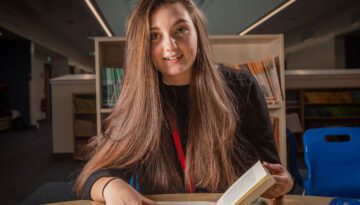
x=227, y=49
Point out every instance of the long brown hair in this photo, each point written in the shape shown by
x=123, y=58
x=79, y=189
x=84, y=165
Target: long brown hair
x=134, y=133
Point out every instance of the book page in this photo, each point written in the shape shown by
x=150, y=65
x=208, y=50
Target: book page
x=247, y=184
x=186, y=203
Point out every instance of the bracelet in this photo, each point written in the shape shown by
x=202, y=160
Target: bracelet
x=107, y=183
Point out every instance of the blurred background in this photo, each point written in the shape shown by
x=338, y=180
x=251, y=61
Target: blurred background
x=47, y=47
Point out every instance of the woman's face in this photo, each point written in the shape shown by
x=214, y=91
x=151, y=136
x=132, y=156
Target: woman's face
x=173, y=43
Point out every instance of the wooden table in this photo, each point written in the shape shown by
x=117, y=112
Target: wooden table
x=285, y=200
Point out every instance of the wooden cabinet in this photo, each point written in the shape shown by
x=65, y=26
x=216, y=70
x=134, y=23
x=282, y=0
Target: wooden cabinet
x=84, y=121
x=227, y=49
x=62, y=90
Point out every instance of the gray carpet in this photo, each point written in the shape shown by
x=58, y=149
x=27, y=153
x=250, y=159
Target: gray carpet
x=26, y=163
x=51, y=192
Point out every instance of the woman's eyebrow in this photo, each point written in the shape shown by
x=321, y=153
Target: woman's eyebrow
x=180, y=21
x=154, y=28
x=176, y=23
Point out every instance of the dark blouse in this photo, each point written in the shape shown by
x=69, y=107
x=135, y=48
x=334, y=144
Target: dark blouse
x=254, y=134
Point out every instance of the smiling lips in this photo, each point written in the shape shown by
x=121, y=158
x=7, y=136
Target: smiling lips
x=174, y=58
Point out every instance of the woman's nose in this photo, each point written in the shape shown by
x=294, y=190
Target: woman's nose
x=169, y=43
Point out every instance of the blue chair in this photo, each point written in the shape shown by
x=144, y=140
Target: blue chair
x=332, y=156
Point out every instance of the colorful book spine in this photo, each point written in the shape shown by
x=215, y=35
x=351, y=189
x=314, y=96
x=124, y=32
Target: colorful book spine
x=111, y=84
x=266, y=74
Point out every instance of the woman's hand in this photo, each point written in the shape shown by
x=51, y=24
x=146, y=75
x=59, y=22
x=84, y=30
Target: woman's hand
x=118, y=192
x=283, y=180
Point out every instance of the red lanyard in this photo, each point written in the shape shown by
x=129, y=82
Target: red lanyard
x=179, y=150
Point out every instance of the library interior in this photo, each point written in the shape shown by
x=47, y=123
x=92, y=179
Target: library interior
x=62, y=65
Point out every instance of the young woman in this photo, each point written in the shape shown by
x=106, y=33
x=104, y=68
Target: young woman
x=181, y=124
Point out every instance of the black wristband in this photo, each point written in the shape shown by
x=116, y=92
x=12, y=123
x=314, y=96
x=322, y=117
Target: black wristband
x=107, y=183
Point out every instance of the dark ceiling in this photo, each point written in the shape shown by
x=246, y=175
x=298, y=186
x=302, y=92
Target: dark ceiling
x=69, y=18
x=73, y=20
x=303, y=13
x=224, y=16
x=9, y=36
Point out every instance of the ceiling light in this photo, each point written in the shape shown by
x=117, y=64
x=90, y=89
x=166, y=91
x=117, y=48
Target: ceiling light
x=263, y=19
x=98, y=17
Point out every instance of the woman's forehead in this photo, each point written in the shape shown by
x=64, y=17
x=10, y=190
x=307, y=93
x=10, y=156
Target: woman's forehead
x=169, y=14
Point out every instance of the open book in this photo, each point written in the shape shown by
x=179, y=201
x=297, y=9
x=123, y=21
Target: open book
x=244, y=191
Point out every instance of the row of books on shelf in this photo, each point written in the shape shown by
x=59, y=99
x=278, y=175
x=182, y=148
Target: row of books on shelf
x=85, y=128
x=333, y=111
x=111, y=84
x=85, y=104
x=332, y=97
x=266, y=74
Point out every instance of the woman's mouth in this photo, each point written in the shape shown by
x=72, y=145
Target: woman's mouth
x=174, y=58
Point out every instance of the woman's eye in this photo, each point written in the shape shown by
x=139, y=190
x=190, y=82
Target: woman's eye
x=154, y=36
x=181, y=30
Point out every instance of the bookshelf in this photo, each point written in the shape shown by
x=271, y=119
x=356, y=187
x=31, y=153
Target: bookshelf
x=84, y=122
x=328, y=105
x=323, y=107
x=323, y=98
x=250, y=48
x=332, y=107
x=295, y=110
x=227, y=49
x=109, y=52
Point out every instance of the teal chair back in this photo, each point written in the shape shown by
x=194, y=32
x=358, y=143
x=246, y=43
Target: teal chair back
x=332, y=156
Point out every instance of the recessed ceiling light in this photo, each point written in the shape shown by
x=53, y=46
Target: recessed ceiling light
x=263, y=19
x=98, y=17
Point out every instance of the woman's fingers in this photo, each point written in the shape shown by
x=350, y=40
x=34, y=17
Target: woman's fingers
x=276, y=168
x=283, y=180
